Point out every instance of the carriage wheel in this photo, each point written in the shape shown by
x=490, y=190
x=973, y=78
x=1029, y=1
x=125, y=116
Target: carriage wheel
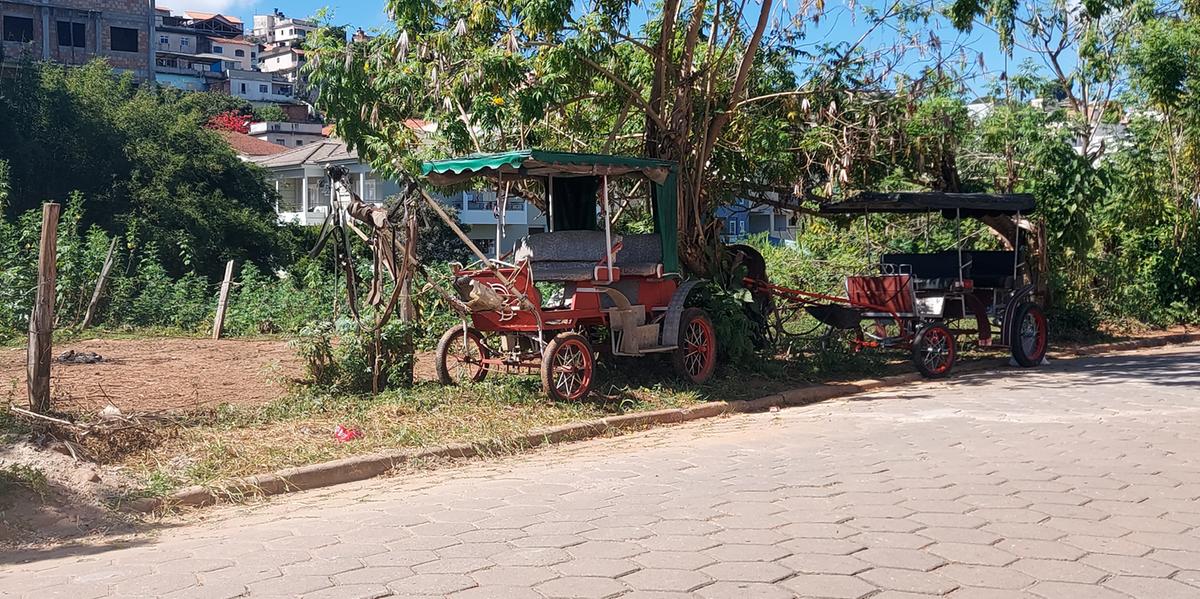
x=1029, y=337
x=459, y=357
x=567, y=367
x=696, y=357
x=934, y=351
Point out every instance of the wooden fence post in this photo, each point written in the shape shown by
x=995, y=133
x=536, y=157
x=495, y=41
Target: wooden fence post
x=41, y=320
x=92, y=305
x=222, y=301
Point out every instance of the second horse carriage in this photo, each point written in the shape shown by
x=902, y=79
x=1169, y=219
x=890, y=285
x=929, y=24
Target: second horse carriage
x=928, y=302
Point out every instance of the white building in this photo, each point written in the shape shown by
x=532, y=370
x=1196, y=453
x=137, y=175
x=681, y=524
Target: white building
x=283, y=60
x=305, y=194
x=278, y=28
x=478, y=209
x=255, y=86
x=286, y=133
x=236, y=49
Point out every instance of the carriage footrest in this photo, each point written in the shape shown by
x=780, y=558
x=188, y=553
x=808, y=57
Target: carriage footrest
x=838, y=317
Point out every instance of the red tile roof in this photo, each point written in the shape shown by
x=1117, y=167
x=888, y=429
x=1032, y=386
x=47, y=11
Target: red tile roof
x=251, y=146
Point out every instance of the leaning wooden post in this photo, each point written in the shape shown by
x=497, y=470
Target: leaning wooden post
x=41, y=320
x=223, y=301
x=92, y=305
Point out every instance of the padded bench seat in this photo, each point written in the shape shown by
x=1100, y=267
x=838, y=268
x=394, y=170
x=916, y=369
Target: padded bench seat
x=563, y=256
x=640, y=255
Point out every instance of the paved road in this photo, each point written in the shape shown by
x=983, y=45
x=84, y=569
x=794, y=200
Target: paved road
x=1076, y=480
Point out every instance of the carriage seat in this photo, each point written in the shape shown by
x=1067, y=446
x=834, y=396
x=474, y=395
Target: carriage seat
x=992, y=269
x=640, y=255
x=563, y=256
x=936, y=270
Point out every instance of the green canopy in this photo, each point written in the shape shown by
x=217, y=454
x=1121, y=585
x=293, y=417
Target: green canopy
x=539, y=164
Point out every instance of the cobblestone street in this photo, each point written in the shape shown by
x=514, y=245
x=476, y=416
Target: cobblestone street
x=1078, y=479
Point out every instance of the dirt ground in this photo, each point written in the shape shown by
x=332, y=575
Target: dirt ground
x=143, y=375
x=149, y=375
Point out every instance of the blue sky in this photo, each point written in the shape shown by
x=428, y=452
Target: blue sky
x=361, y=13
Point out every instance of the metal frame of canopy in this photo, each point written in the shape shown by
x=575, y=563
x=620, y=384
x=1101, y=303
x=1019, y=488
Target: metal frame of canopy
x=547, y=166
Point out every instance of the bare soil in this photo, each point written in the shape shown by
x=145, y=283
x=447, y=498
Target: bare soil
x=168, y=374
x=150, y=375
x=74, y=500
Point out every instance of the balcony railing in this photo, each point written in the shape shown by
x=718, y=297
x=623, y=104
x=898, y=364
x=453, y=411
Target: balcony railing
x=490, y=205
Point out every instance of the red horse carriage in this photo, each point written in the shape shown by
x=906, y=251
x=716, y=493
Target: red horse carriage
x=578, y=286
x=922, y=302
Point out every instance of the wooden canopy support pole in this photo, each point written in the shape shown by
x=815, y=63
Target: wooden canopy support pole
x=474, y=248
x=223, y=301
x=95, y=303
x=41, y=321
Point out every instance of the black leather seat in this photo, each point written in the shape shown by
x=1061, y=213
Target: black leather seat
x=993, y=269
x=936, y=270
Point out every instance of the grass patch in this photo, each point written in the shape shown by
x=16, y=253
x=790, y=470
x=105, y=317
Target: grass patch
x=234, y=441
x=14, y=477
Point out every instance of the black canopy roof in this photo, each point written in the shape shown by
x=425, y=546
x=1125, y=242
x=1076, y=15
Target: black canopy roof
x=950, y=204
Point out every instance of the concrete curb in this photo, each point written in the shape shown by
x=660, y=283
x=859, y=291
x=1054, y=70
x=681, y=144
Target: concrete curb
x=369, y=466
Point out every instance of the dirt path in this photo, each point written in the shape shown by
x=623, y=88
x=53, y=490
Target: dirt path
x=161, y=374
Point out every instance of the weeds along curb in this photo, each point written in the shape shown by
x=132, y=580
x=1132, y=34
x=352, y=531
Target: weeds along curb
x=369, y=466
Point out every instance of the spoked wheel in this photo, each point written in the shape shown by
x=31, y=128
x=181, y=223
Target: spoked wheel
x=934, y=351
x=460, y=356
x=1029, y=337
x=567, y=367
x=696, y=357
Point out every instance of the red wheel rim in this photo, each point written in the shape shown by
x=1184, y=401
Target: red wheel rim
x=698, y=348
x=572, y=369
x=1033, y=334
x=464, y=360
x=938, y=353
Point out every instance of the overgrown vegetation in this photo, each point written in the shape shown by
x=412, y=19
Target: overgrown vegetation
x=148, y=168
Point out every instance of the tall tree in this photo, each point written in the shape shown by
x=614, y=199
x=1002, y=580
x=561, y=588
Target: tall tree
x=711, y=84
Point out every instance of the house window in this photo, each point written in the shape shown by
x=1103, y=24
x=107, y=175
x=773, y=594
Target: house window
x=72, y=35
x=122, y=39
x=262, y=89
x=299, y=142
x=183, y=42
x=239, y=53
x=18, y=29
x=162, y=39
x=281, y=141
x=243, y=87
x=253, y=54
x=218, y=50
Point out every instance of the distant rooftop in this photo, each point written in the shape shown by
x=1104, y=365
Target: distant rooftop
x=316, y=153
x=250, y=146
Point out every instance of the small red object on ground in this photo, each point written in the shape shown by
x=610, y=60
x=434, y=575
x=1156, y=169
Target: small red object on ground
x=343, y=434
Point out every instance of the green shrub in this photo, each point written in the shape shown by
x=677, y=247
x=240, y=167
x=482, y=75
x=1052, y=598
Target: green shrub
x=339, y=358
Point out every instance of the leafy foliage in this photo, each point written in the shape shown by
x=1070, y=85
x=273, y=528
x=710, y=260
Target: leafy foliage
x=150, y=170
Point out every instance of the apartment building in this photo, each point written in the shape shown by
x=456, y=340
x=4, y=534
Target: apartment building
x=278, y=28
x=76, y=31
